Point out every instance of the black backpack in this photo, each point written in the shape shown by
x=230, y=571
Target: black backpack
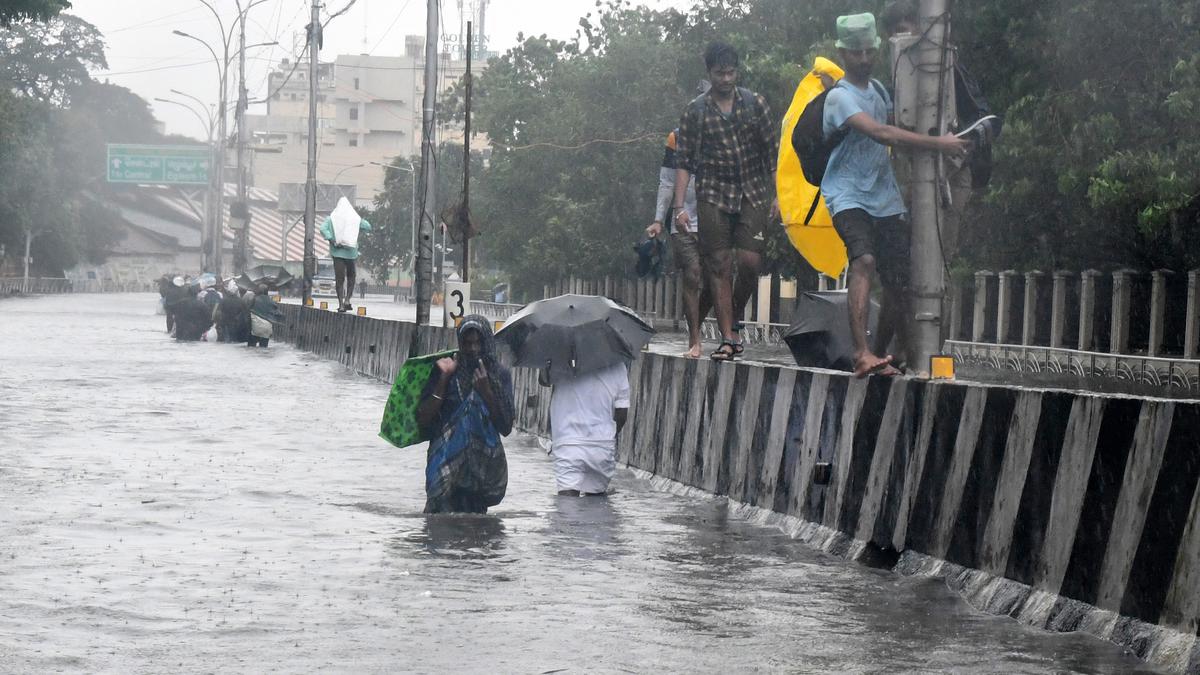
x=810, y=144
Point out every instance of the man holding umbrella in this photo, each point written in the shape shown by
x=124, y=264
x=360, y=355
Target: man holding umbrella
x=583, y=345
x=587, y=411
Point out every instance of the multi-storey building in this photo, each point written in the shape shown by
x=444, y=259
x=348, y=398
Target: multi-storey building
x=369, y=113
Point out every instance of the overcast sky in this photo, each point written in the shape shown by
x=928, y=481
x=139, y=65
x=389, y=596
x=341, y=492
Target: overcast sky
x=146, y=57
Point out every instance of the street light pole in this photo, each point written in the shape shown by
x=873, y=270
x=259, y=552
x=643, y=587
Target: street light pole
x=207, y=193
x=424, y=273
x=310, y=196
x=239, y=256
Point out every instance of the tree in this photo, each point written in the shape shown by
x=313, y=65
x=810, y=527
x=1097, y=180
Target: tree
x=54, y=124
x=50, y=60
x=21, y=10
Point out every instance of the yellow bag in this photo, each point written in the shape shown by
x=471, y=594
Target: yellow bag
x=818, y=242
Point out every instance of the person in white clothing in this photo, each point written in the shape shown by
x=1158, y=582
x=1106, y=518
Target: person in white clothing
x=586, y=414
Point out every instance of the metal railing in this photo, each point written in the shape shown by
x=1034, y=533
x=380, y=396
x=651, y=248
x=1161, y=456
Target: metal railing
x=58, y=285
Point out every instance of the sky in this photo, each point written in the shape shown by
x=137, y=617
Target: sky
x=145, y=56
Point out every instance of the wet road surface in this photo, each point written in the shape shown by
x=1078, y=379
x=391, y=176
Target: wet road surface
x=210, y=508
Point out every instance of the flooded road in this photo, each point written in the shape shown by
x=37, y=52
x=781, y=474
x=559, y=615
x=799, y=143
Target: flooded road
x=200, y=507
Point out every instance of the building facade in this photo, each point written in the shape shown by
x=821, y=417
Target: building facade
x=369, y=113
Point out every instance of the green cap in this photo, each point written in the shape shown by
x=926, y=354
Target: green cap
x=857, y=31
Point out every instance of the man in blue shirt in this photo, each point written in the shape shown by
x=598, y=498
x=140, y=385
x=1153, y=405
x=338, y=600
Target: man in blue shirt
x=861, y=192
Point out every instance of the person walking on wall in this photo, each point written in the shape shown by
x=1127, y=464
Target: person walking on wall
x=861, y=192
x=685, y=245
x=728, y=140
x=341, y=230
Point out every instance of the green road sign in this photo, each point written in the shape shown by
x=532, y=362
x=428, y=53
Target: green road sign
x=162, y=164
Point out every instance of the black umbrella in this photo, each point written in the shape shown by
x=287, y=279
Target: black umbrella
x=820, y=337
x=274, y=276
x=574, y=334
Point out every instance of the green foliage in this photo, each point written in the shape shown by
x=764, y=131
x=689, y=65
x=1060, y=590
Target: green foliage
x=20, y=10
x=54, y=124
x=1099, y=164
x=389, y=243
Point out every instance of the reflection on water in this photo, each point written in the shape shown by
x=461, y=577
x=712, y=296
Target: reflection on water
x=477, y=536
x=209, y=508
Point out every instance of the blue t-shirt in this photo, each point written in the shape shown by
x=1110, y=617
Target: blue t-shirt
x=859, y=175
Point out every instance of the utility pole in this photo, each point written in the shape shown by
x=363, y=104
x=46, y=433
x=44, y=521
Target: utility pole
x=424, y=272
x=933, y=88
x=310, y=186
x=239, y=256
x=464, y=219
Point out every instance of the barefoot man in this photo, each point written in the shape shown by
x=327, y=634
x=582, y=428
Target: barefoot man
x=860, y=189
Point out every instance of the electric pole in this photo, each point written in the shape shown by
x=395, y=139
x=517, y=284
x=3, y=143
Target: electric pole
x=933, y=89
x=424, y=271
x=239, y=256
x=310, y=186
x=464, y=219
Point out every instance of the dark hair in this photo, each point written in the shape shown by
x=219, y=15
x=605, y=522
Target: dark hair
x=720, y=54
x=896, y=13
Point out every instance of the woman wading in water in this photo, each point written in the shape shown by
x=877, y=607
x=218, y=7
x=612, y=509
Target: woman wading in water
x=466, y=407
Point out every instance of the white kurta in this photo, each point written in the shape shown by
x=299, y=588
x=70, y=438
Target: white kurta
x=583, y=432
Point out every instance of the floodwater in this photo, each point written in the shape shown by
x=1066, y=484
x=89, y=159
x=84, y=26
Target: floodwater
x=211, y=508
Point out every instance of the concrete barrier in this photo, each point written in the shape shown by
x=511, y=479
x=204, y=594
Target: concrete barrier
x=1067, y=511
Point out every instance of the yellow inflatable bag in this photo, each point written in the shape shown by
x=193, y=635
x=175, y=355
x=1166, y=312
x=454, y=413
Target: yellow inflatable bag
x=817, y=241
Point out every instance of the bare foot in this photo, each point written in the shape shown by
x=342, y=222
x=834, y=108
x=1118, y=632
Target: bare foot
x=869, y=364
x=693, y=353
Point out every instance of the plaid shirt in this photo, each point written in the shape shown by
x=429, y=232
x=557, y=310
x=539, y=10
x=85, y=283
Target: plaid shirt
x=731, y=158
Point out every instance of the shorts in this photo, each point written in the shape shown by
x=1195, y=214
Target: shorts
x=343, y=267
x=721, y=231
x=685, y=246
x=888, y=239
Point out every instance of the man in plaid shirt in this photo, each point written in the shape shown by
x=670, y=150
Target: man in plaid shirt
x=728, y=140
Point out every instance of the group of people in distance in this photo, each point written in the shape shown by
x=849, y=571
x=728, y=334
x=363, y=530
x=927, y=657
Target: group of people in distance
x=195, y=307
x=718, y=178
x=466, y=407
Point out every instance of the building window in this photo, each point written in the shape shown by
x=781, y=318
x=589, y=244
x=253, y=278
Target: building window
x=356, y=83
x=354, y=142
x=354, y=113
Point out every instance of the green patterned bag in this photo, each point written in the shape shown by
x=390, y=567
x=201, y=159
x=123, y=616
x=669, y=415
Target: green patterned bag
x=399, y=426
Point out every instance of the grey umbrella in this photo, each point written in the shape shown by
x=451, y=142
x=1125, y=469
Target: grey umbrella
x=820, y=337
x=574, y=334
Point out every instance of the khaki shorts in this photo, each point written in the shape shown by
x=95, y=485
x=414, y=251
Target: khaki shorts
x=721, y=231
x=685, y=246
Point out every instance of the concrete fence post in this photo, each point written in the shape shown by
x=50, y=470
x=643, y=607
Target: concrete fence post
x=1058, y=308
x=957, y=293
x=1087, y=309
x=1192, y=329
x=1029, y=318
x=762, y=312
x=1004, y=305
x=1158, y=310
x=979, y=320
x=1121, y=295
x=546, y=291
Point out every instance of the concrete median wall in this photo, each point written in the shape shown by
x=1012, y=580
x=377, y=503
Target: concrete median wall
x=1064, y=510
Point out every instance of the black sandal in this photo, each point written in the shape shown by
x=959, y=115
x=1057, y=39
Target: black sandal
x=738, y=347
x=726, y=352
